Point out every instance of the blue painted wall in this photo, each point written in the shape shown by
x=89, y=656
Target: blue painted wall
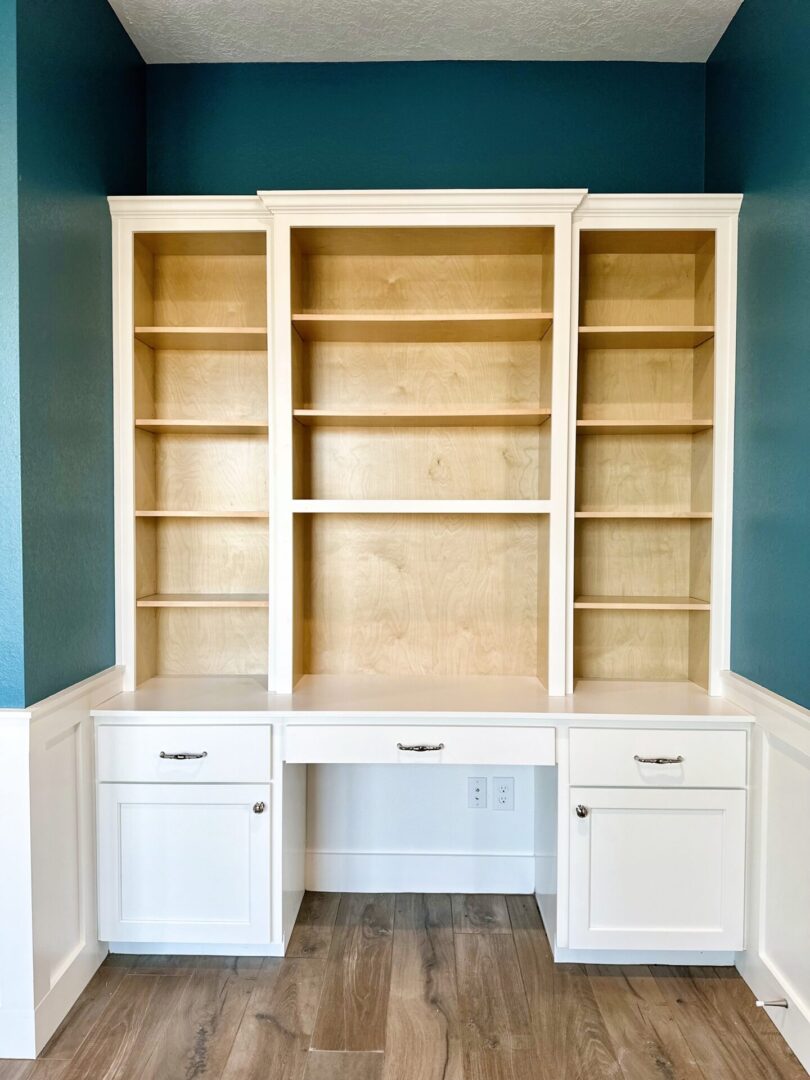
x=80, y=124
x=12, y=679
x=758, y=142
x=235, y=128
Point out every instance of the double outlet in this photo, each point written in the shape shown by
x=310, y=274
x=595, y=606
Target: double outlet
x=503, y=792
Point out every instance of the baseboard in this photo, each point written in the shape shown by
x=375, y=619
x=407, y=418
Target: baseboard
x=161, y=948
x=57, y=1003
x=18, y=1034
x=397, y=871
x=782, y=732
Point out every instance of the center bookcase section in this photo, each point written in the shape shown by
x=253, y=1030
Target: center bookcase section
x=421, y=594
x=422, y=363
x=200, y=398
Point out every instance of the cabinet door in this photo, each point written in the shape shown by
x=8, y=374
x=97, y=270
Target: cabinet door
x=657, y=869
x=184, y=863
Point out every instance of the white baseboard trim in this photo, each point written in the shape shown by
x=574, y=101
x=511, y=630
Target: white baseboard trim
x=57, y=1003
x=161, y=948
x=17, y=1033
x=405, y=871
x=782, y=727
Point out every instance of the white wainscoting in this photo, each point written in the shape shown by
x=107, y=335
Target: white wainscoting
x=776, y=963
x=49, y=946
x=384, y=828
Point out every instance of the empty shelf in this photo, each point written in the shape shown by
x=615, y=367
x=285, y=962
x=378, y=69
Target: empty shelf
x=643, y=337
x=468, y=417
x=467, y=326
x=204, y=600
x=641, y=427
x=203, y=427
x=641, y=603
x=203, y=337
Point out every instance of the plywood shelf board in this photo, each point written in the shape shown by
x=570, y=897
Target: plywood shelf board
x=423, y=417
x=421, y=506
x=226, y=338
x=642, y=427
x=662, y=515
x=643, y=337
x=641, y=603
x=204, y=427
x=203, y=513
x=434, y=326
x=203, y=600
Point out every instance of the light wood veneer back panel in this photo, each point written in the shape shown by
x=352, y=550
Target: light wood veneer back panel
x=651, y=645
x=420, y=594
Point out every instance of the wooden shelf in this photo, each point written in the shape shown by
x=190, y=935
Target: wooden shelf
x=202, y=513
x=651, y=514
x=421, y=506
x=438, y=417
x=204, y=600
x=642, y=427
x=203, y=427
x=641, y=603
x=466, y=326
x=203, y=337
x=643, y=337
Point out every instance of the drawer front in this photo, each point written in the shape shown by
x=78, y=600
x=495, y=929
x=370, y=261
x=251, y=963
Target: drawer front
x=607, y=757
x=231, y=754
x=357, y=744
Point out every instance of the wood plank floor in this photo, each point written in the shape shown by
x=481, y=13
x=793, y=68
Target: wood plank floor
x=411, y=987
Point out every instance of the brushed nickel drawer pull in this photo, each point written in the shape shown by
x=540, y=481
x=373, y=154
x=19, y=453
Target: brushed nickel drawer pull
x=183, y=757
x=420, y=748
x=658, y=760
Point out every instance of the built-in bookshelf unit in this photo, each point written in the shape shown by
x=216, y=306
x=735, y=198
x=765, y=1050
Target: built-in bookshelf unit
x=644, y=454
x=200, y=402
x=396, y=437
x=421, y=411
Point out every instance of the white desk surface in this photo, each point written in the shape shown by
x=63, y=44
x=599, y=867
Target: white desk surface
x=341, y=697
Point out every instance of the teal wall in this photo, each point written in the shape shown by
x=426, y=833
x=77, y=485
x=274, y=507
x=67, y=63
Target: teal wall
x=80, y=120
x=235, y=128
x=12, y=677
x=758, y=142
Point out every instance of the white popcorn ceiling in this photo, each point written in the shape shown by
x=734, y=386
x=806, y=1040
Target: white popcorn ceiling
x=220, y=31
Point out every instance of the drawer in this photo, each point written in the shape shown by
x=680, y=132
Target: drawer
x=357, y=744
x=233, y=753
x=606, y=757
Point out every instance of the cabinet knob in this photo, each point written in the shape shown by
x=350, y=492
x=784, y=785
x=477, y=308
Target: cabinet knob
x=258, y=808
x=582, y=811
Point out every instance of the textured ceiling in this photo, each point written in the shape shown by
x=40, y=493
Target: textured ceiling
x=211, y=31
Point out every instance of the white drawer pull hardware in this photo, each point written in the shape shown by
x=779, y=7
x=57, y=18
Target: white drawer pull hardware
x=582, y=811
x=658, y=760
x=258, y=808
x=777, y=1003
x=183, y=757
x=420, y=748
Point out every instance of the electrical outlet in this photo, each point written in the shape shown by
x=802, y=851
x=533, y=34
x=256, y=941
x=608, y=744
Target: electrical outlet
x=504, y=792
x=477, y=792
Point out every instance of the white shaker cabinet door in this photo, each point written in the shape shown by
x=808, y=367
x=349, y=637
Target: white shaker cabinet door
x=184, y=863
x=657, y=869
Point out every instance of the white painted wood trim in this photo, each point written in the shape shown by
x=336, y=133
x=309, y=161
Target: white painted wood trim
x=595, y=205
x=417, y=201
x=140, y=206
x=406, y=871
x=781, y=725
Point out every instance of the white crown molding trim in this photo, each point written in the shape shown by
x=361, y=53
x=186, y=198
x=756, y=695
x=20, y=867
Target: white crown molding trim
x=778, y=716
x=551, y=200
x=631, y=206
x=171, y=205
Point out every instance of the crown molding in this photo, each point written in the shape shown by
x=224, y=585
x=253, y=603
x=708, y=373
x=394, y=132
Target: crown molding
x=548, y=200
x=171, y=205
x=697, y=205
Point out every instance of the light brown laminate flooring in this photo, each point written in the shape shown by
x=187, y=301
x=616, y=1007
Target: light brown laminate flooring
x=411, y=987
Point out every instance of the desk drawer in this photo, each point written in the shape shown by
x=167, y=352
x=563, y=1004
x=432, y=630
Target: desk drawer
x=606, y=757
x=233, y=753
x=385, y=744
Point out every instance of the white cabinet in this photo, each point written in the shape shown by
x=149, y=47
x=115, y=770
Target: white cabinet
x=184, y=863
x=657, y=869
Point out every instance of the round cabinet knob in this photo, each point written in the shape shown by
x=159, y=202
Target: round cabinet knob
x=258, y=808
x=581, y=811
